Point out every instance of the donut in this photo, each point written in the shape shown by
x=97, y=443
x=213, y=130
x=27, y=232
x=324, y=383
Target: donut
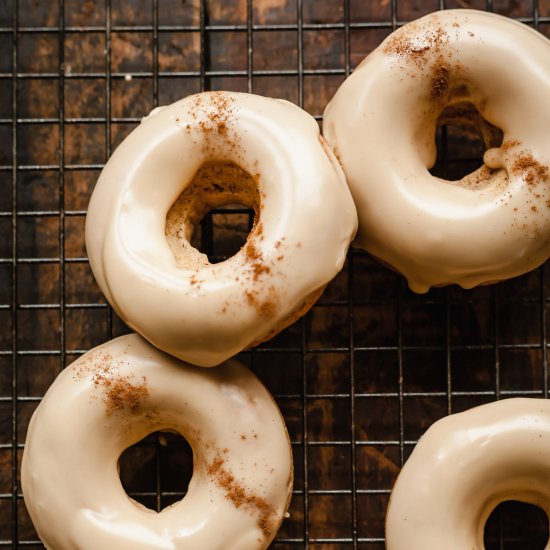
x=492, y=224
x=199, y=153
x=111, y=398
x=463, y=467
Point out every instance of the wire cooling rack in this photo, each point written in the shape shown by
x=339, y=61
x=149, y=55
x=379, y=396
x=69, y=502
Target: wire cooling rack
x=370, y=367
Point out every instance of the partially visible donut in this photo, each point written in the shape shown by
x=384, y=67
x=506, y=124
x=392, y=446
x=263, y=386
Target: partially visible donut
x=463, y=467
x=197, y=154
x=495, y=222
x=111, y=398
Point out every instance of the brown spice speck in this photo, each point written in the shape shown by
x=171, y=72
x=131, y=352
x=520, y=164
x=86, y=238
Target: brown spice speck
x=532, y=170
x=241, y=497
x=260, y=269
x=509, y=144
x=252, y=253
x=418, y=45
x=255, y=257
x=124, y=395
x=266, y=308
x=440, y=81
x=221, y=113
x=424, y=47
x=250, y=298
x=119, y=392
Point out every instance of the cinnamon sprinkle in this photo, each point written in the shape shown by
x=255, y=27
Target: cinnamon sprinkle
x=122, y=394
x=119, y=392
x=241, y=497
x=255, y=257
x=479, y=178
x=219, y=112
x=252, y=253
x=509, y=144
x=267, y=308
x=532, y=170
x=440, y=81
x=424, y=48
x=260, y=269
x=416, y=45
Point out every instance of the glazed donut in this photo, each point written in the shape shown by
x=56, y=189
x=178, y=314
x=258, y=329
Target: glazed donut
x=111, y=398
x=495, y=222
x=463, y=467
x=198, y=153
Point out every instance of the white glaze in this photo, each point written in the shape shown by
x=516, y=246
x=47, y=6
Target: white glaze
x=382, y=121
x=307, y=217
x=69, y=472
x=463, y=467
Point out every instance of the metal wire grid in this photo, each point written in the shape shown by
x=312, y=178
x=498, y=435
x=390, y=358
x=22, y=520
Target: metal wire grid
x=361, y=304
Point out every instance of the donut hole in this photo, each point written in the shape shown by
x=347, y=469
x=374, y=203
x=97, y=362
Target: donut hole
x=156, y=471
x=514, y=524
x=213, y=216
x=462, y=137
x=222, y=232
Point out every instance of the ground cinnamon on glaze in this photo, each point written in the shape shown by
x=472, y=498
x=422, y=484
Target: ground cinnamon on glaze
x=421, y=47
x=533, y=171
x=440, y=80
x=240, y=497
x=266, y=308
x=122, y=394
x=220, y=115
x=509, y=144
x=255, y=258
x=119, y=392
x=252, y=253
x=415, y=48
